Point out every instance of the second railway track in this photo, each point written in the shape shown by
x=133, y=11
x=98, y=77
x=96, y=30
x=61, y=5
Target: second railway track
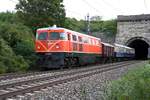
x=30, y=84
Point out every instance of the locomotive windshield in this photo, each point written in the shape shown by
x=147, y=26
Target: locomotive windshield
x=51, y=36
x=54, y=36
x=57, y=36
x=42, y=36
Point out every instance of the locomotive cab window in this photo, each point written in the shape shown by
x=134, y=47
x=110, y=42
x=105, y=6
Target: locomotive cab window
x=54, y=36
x=63, y=36
x=42, y=36
x=57, y=36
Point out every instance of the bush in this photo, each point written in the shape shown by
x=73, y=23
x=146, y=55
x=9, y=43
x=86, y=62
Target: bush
x=9, y=61
x=2, y=68
x=133, y=86
x=25, y=48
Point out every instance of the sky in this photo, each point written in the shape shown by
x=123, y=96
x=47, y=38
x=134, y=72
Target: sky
x=107, y=9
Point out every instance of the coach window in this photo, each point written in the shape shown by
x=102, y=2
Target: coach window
x=42, y=36
x=74, y=37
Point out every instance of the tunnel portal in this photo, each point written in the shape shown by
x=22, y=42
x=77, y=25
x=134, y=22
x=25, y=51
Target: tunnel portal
x=141, y=48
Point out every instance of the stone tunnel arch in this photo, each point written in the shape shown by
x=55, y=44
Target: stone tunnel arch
x=141, y=46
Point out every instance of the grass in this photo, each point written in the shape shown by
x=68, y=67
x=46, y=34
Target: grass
x=135, y=85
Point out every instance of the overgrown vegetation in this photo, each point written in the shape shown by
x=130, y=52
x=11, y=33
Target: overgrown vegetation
x=16, y=44
x=133, y=86
x=9, y=61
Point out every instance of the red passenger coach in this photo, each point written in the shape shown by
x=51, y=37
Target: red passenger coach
x=59, y=47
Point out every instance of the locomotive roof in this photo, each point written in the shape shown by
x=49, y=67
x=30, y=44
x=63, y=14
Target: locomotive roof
x=81, y=34
x=50, y=28
x=60, y=28
x=107, y=44
x=123, y=46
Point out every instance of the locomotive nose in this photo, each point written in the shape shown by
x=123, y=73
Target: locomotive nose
x=49, y=43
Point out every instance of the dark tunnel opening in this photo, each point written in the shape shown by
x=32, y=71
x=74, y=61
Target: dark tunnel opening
x=141, y=49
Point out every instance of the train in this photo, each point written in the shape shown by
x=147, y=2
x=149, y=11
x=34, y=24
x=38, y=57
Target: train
x=59, y=47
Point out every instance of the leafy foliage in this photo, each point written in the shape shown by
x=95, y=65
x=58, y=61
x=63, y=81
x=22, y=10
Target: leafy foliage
x=133, y=86
x=41, y=13
x=9, y=62
x=16, y=44
x=73, y=24
x=108, y=27
x=25, y=48
x=96, y=26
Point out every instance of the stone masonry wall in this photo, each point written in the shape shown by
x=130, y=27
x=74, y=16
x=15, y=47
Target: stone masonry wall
x=127, y=30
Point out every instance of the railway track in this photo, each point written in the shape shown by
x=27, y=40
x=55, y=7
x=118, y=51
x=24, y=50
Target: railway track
x=9, y=76
x=29, y=84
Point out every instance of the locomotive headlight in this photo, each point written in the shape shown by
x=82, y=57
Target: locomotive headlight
x=57, y=47
x=38, y=47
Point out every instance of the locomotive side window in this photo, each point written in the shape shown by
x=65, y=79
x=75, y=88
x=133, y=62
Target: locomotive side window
x=69, y=37
x=90, y=41
x=93, y=42
x=80, y=39
x=96, y=41
x=80, y=44
x=74, y=38
x=86, y=40
x=54, y=36
x=99, y=42
x=63, y=36
x=42, y=36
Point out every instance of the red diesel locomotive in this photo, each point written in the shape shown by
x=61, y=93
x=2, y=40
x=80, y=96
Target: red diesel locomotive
x=59, y=47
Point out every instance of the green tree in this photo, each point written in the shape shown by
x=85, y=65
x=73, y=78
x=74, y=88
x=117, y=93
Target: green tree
x=7, y=17
x=110, y=27
x=74, y=24
x=96, y=26
x=41, y=13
